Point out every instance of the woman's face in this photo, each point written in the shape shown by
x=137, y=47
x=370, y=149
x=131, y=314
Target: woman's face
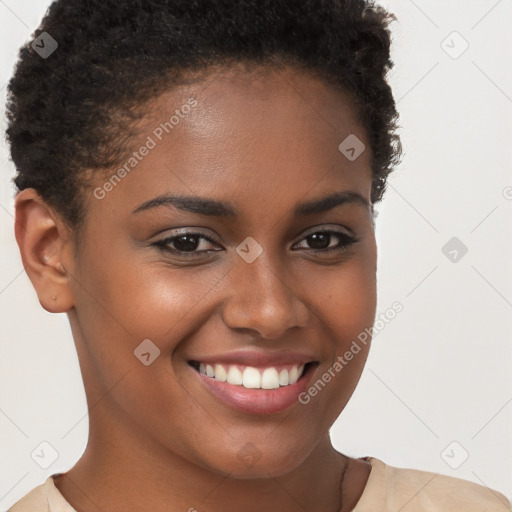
x=253, y=270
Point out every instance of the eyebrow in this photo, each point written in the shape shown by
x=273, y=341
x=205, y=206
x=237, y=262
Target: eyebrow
x=211, y=207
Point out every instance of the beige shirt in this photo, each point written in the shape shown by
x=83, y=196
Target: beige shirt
x=388, y=489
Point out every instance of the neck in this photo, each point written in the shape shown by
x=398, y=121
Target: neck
x=138, y=474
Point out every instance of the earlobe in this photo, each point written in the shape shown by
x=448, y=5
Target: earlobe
x=43, y=241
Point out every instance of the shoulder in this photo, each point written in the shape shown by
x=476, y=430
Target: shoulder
x=412, y=490
x=34, y=501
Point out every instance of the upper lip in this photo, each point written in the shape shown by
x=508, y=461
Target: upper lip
x=254, y=358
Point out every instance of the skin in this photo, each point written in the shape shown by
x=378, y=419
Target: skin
x=157, y=439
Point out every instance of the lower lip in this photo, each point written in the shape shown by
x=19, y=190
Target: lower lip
x=256, y=401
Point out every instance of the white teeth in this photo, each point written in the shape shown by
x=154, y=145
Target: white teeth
x=234, y=376
x=252, y=378
x=270, y=379
x=220, y=373
x=294, y=375
x=284, y=377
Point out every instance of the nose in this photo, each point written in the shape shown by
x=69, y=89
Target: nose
x=263, y=302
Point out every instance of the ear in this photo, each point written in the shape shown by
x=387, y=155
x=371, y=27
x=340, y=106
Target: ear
x=46, y=250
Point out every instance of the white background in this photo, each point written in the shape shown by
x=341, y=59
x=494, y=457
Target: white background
x=437, y=373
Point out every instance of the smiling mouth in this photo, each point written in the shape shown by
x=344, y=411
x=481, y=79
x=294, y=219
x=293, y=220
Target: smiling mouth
x=269, y=377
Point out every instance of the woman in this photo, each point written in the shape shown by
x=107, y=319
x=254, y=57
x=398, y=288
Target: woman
x=196, y=188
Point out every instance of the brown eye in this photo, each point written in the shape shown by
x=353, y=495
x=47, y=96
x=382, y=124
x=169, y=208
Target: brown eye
x=321, y=241
x=187, y=244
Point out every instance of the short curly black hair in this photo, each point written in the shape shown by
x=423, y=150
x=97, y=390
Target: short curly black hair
x=71, y=112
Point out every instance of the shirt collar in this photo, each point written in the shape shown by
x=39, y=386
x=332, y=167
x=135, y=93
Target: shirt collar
x=56, y=502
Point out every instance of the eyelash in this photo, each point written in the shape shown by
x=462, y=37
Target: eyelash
x=342, y=246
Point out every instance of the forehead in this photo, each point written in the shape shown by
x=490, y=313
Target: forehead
x=241, y=99
x=257, y=137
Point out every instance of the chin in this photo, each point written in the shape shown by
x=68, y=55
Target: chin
x=249, y=462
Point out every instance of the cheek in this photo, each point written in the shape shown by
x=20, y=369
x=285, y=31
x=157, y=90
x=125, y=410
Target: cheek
x=346, y=310
x=133, y=300
x=347, y=297
x=121, y=305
